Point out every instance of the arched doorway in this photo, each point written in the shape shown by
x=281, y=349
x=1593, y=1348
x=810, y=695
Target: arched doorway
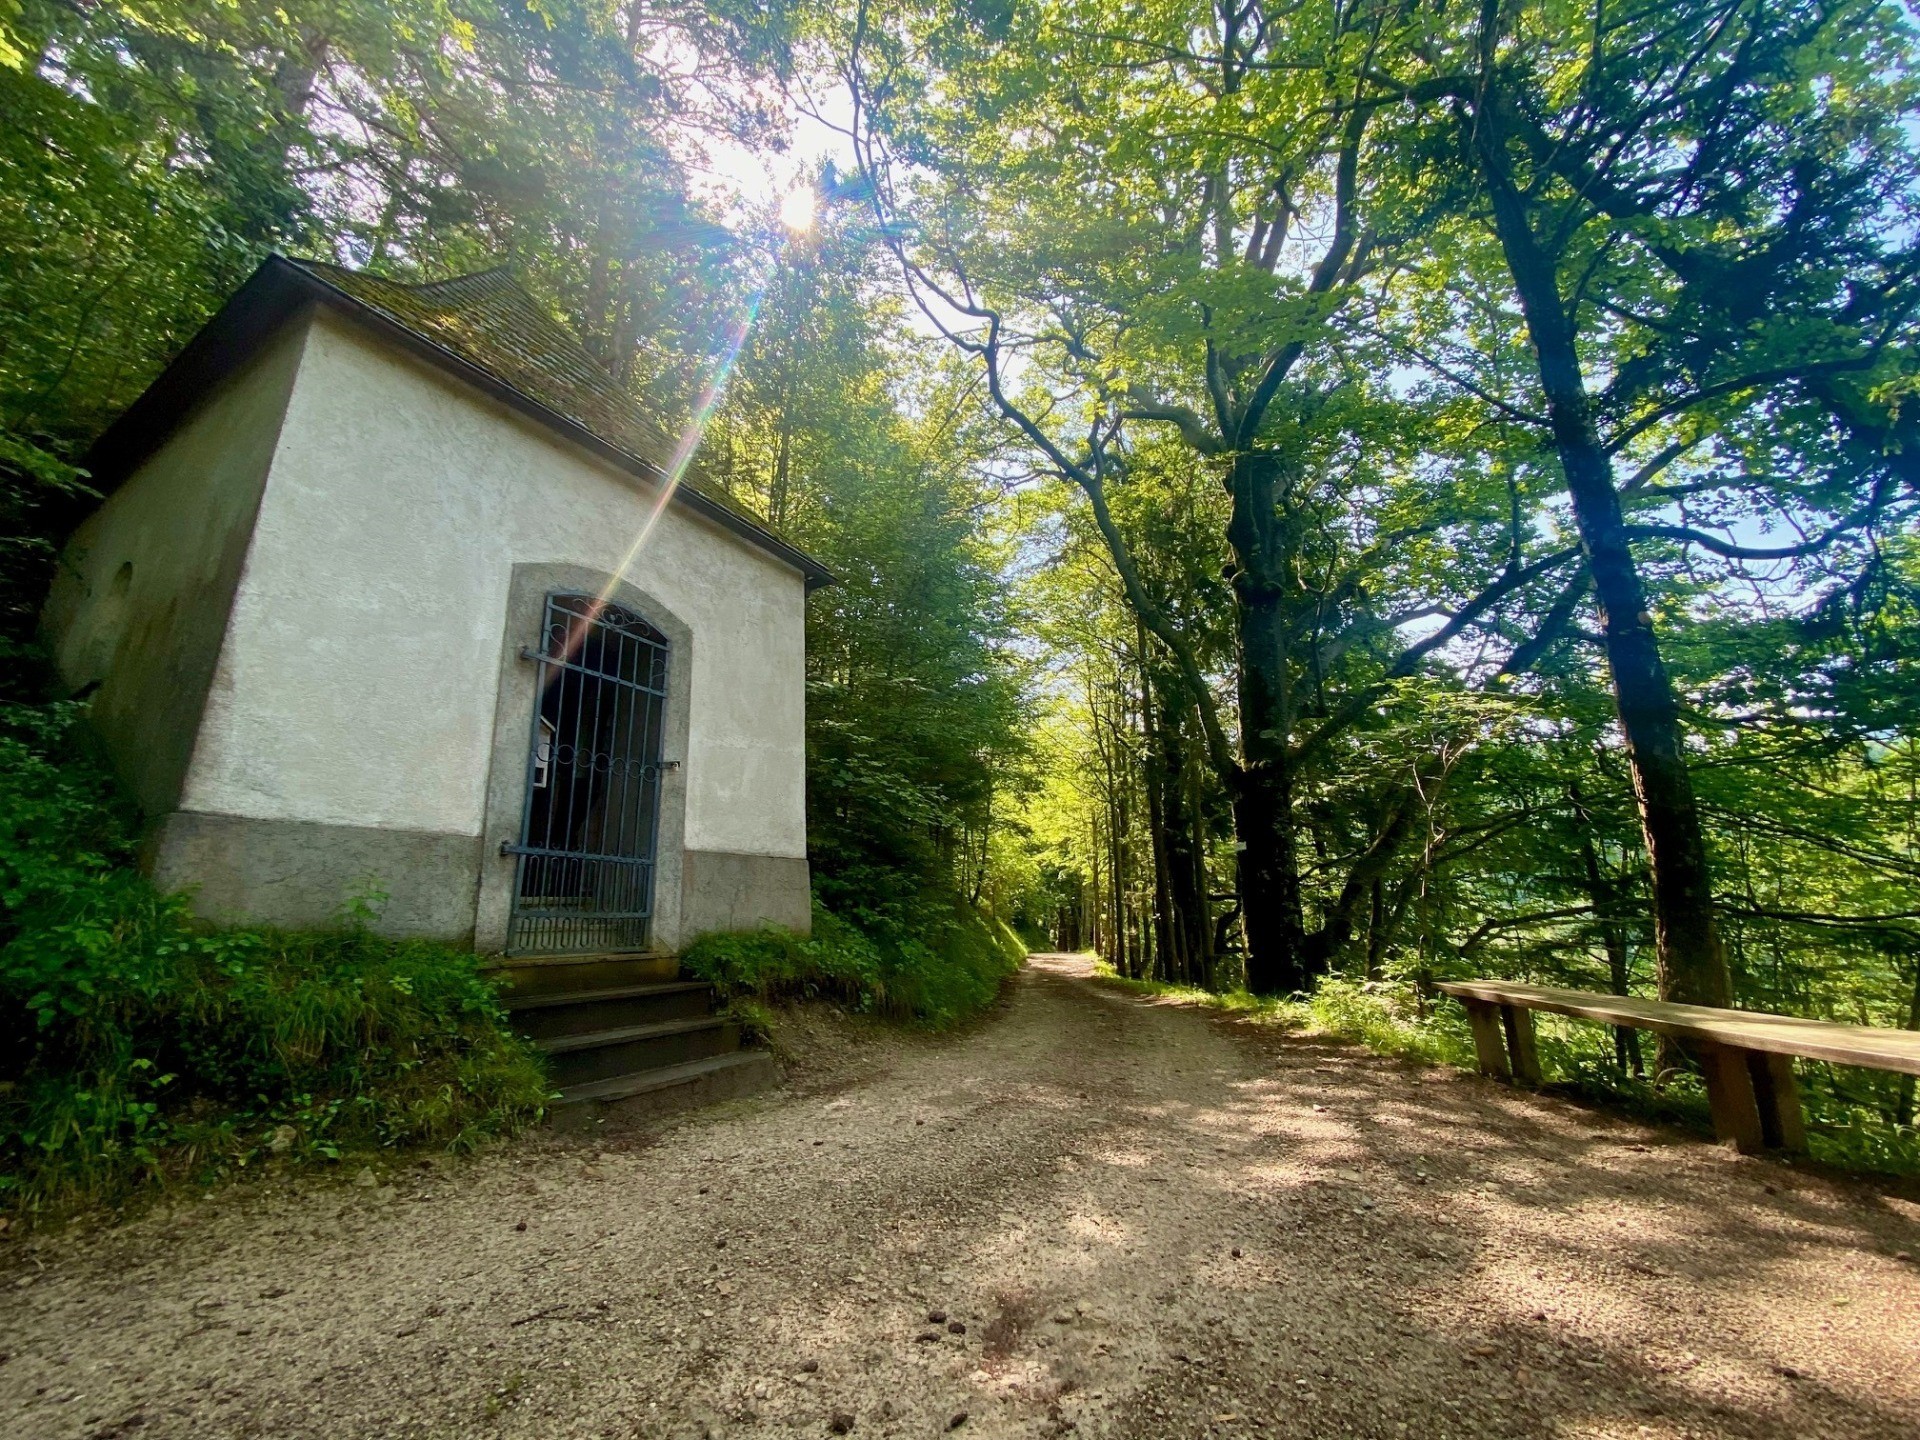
x=584, y=865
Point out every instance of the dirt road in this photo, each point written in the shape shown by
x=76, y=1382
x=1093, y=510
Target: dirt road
x=1089, y=1214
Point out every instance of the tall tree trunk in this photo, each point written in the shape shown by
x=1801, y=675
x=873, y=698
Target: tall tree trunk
x=779, y=486
x=1377, y=930
x=1269, y=882
x=1903, y=1114
x=1197, y=907
x=1096, y=935
x=295, y=75
x=1186, y=863
x=1691, y=964
x=1117, y=837
x=1269, y=869
x=1168, y=963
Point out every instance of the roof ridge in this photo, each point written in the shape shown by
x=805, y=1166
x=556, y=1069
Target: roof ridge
x=505, y=267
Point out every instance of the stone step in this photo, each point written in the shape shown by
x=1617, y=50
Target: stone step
x=627, y=1098
x=631, y=1049
x=544, y=1015
x=556, y=974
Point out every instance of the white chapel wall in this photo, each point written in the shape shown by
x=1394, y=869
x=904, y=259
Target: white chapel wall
x=140, y=601
x=358, y=680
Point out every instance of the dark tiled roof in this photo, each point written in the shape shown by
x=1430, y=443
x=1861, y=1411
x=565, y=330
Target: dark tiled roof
x=489, y=321
x=483, y=328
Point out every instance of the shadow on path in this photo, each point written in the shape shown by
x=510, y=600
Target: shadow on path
x=1145, y=1223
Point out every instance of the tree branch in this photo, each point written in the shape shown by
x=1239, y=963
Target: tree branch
x=1411, y=657
x=1143, y=406
x=1730, y=551
x=1325, y=275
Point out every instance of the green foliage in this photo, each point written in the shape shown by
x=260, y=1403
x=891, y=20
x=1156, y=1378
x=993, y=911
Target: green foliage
x=1141, y=196
x=1383, y=1017
x=1720, y=206
x=142, y=1047
x=142, y=175
x=876, y=465
x=945, y=969
x=1389, y=1019
x=64, y=825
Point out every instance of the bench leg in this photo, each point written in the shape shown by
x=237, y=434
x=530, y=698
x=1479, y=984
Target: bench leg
x=1778, y=1100
x=1730, y=1095
x=1517, y=1021
x=1488, y=1043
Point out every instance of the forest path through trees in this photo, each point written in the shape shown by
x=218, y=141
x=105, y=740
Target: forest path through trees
x=1149, y=1222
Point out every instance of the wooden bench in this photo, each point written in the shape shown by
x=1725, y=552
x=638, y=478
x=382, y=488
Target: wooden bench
x=1745, y=1056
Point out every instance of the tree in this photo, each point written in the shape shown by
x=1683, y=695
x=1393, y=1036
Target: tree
x=872, y=459
x=1689, y=203
x=1226, y=225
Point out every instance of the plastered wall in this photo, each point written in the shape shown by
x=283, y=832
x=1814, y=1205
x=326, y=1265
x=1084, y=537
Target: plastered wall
x=357, y=682
x=139, y=604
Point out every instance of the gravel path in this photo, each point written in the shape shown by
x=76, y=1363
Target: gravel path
x=1089, y=1214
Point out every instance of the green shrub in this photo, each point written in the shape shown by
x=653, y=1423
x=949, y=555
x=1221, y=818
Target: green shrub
x=64, y=823
x=141, y=1046
x=1387, y=1018
x=948, y=967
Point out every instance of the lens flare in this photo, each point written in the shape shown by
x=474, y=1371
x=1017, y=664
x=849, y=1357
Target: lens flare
x=711, y=393
x=796, y=218
x=796, y=211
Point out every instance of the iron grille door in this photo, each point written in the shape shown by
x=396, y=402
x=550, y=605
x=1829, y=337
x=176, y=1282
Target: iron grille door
x=583, y=877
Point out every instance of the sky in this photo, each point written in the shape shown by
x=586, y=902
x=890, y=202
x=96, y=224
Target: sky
x=739, y=179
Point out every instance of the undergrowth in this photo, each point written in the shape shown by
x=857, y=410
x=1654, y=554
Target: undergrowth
x=944, y=966
x=1388, y=1017
x=139, y=1047
x=1383, y=1017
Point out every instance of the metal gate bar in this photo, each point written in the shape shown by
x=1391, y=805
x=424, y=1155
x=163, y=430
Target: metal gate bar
x=583, y=874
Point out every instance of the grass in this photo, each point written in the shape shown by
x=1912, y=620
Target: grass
x=1383, y=1017
x=945, y=967
x=140, y=1049
x=158, y=1052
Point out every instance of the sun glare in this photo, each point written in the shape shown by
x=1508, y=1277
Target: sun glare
x=796, y=211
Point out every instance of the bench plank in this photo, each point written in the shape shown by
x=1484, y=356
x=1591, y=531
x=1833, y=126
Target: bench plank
x=1870, y=1046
